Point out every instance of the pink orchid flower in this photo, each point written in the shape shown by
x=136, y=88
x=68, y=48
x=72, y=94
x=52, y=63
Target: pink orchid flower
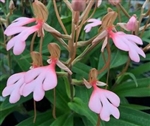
x=127, y=42
x=14, y=83
x=17, y=27
x=41, y=79
x=131, y=25
x=103, y=102
x=93, y=23
x=2, y=1
x=122, y=41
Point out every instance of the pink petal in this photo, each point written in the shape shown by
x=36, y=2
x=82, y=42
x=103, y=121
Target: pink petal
x=32, y=74
x=13, y=91
x=134, y=39
x=95, y=22
x=7, y=90
x=131, y=24
x=38, y=93
x=50, y=81
x=120, y=42
x=10, y=44
x=27, y=32
x=95, y=103
x=2, y=1
x=134, y=55
x=114, y=111
x=19, y=47
x=135, y=51
x=112, y=97
x=22, y=21
x=30, y=87
x=140, y=51
x=27, y=89
x=105, y=114
x=15, y=96
x=15, y=77
x=14, y=30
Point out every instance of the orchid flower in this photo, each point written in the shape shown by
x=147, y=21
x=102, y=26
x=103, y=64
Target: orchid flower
x=2, y=1
x=13, y=86
x=122, y=41
x=39, y=80
x=127, y=42
x=44, y=78
x=93, y=23
x=17, y=27
x=131, y=25
x=102, y=101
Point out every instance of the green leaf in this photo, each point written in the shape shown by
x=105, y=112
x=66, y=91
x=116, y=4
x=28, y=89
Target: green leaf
x=131, y=75
x=67, y=85
x=6, y=104
x=129, y=89
x=4, y=113
x=118, y=58
x=22, y=61
x=141, y=69
x=40, y=119
x=137, y=107
x=82, y=109
x=61, y=96
x=64, y=120
x=134, y=116
x=81, y=69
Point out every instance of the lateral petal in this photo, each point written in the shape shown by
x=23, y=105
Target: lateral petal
x=95, y=102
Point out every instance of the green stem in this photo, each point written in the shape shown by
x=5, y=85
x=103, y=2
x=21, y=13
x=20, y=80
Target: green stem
x=58, y=17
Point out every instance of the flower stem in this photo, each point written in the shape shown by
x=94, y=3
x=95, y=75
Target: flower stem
x=40, y=49
x=54, y=106
x=58, y=17
x=68, y=4
x=108, y=59
x=32, y=42
x=123, y=10
x=98, y=121
x=34, y=103
x=145, y=26
x=125, y=68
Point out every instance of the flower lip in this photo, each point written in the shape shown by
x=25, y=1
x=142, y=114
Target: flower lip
x=104, y=103
x=14, y=83
x=128, y=43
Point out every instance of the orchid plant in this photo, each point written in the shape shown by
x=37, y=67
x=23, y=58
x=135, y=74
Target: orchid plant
x=99, y=56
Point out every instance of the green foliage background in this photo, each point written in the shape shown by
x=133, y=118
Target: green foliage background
x=134, y=83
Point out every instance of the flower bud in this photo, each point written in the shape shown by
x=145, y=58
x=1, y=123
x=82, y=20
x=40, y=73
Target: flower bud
x=40, y=10
x=114, y=2
x=132, y=24
x=36, y=58
x=54, y=50
x=11, y=5
x=78, y=5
